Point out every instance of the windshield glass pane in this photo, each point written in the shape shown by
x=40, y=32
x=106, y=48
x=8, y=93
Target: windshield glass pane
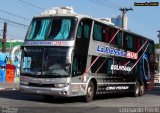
x=51, y=29
x=49, y=61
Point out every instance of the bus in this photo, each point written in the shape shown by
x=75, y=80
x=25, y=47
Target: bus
x=68, y=54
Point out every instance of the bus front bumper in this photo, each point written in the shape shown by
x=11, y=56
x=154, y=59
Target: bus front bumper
x=45, y=91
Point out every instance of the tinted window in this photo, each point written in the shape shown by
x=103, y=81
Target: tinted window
x=51, y=29
x=84, y=29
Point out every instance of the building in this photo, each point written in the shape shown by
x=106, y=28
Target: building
x=118, y=21
x=11, y=43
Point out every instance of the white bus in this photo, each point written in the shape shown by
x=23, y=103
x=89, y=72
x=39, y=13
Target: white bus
x=68, y=54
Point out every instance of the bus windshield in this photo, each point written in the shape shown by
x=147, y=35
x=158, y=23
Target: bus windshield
x=42, y=29
x=47, y=61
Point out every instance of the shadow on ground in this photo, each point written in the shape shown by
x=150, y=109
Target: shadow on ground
x=16, y=95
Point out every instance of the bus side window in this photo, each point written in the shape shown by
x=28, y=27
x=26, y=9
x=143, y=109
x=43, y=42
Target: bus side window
x=111, y=35
x=151, y=48
x=79, y=64
x=137, y=43
x=129, y=39
x=109, y=64
x=115, y=63
x=119, y=39
x=75, y=65
x=131, y=65
x=107, y=39
x=79, y=31
x=97, y=32
x=84, y=29
x=99, y=66
x=137, y=69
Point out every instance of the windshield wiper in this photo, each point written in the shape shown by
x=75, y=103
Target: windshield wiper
x=54, y=73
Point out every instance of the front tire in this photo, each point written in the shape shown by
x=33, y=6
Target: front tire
x=142, y=89
x=90, y=92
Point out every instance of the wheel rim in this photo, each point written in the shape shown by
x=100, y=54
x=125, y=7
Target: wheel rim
x=137, y=89
x=90, y=91
x=142, y=89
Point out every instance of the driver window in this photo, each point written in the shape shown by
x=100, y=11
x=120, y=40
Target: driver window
x=84, y=29
x=79, y=64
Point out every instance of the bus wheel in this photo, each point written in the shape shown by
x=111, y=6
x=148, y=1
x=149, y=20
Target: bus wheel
x=142, y=90
x=136, y=89
x=90, y=92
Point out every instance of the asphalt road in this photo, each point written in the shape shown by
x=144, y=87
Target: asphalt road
x=16, y=102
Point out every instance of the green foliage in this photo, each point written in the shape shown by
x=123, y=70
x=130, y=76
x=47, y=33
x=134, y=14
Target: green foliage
x=157, y=46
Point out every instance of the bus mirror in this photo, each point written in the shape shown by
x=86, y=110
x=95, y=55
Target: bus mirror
x=21, y=47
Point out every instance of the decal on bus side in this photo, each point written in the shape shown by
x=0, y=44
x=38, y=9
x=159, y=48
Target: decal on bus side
x=116, y=52
x=117, y=87
x=55, y=43
x=121, y=68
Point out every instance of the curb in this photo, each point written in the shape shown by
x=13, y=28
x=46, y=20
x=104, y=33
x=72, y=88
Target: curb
x=1, y=89
x=9, y=86
x=9, y=89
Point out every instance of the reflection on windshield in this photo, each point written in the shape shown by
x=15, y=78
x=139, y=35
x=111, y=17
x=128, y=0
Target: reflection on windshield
x=45, y=61
x=51, y=29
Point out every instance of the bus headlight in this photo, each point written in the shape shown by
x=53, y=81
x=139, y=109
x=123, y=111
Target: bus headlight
x=23, y=83
x=60, y=85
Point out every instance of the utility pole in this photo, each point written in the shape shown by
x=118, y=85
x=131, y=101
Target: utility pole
x=4, y=37
x=124, y=10
x=159, y=36
x=159, y=53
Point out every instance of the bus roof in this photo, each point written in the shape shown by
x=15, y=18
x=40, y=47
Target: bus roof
x=68, y=12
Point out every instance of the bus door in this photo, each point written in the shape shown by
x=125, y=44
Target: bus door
x=80, y=54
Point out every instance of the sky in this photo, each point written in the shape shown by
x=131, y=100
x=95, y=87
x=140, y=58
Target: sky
x=144, y=20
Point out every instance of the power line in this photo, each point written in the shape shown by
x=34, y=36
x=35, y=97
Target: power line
x=111, y=3
x=15, y=15
x=10, y=34
x=17, y=26
x=98, y=3
x=143, y=18
x=32, y=5
x=10, y=21
x=102, y=3
x=16, y=36
x=2, y=22
x=116, y=6
x=20, y=7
